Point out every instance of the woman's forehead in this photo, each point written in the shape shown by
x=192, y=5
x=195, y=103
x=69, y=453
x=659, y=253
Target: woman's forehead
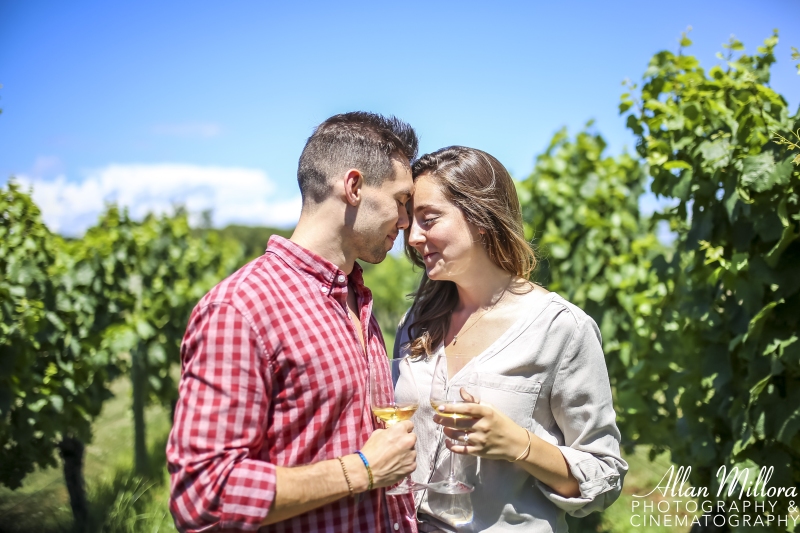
x=427, y=194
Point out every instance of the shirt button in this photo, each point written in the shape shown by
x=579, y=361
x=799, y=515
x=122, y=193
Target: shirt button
x=396, y=526
x=341, y=278
x=323, y=288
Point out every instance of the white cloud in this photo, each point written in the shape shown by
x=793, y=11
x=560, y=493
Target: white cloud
x=235, y=195
x=189, y=129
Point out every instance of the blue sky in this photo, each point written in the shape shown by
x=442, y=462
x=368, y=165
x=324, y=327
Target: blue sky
x=209, y=104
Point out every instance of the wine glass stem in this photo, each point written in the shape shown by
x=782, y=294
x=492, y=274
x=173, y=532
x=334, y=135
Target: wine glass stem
x=452, y=477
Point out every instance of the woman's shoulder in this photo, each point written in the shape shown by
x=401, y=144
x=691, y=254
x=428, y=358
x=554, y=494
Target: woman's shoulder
x=564, y=315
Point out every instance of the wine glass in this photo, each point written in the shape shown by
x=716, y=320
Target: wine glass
x=392, y=410
x=445, y=390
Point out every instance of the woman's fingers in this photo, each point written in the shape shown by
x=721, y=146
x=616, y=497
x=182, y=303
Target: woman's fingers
x=466, y=396
x=454, y=434
x=469, y=410
x=459, y=447
x=461, y=435
x=458, y=423
x=467, y=416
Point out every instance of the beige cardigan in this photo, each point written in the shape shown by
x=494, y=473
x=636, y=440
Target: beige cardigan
x=548, y=373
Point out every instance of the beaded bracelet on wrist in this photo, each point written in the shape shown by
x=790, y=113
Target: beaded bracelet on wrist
x=369, y=470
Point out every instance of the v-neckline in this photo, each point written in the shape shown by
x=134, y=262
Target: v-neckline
x=513, y=330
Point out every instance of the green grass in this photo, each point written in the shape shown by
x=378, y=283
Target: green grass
x=122, y=502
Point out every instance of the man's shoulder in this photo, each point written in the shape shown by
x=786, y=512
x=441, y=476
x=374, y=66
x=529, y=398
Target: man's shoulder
x=254, y=285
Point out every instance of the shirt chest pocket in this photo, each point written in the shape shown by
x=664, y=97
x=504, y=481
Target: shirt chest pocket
x=515, y=396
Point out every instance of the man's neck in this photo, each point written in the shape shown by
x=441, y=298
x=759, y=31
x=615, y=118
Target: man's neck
x=319, y=233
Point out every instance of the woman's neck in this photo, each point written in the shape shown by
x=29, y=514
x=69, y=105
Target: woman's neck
x=481, y=288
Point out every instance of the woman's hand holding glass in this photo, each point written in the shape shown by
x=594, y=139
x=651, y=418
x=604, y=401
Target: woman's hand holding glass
x=482, y=431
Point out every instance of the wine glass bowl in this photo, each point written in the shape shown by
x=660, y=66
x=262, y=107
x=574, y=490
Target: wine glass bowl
x=392, y=414
x=453, y=384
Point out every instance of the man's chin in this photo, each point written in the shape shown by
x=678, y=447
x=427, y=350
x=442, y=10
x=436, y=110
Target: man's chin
x=374, y=257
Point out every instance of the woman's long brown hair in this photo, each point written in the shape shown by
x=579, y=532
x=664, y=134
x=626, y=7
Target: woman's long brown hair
x=481, y=187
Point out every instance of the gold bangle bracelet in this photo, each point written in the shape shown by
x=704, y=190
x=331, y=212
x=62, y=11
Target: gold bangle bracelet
x=524, y=454
x=346, y=476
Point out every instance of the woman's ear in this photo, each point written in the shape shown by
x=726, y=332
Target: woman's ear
x=353, y=183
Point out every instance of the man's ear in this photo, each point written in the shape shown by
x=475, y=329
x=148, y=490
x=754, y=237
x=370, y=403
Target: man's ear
x=353, y=184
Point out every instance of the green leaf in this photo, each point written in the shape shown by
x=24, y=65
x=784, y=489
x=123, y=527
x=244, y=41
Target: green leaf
x=682, y=189
x=740, y=445
x=154, y=383
x=120, y=338
x=37, y=405
x=672, y=165
x=55, y=320
x=788, y=236
x=730, y=205
x=143, y=329
x=789, y=428
x=714, y=152
x=597, y=292
x=691, y=111
x=57, y=402
x=760, y=173
x=559, y=250
x=156, y=354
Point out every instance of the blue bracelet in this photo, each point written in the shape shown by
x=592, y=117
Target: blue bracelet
x=369, y=470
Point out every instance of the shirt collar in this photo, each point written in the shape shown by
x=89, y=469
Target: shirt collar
x=313, y=265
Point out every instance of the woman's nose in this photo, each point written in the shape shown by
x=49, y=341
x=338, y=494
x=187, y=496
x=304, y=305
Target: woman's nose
x=415, y=236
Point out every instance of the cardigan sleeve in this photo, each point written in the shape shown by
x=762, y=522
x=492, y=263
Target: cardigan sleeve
x=583, y=408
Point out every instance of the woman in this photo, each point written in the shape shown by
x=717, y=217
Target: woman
x=543, y=441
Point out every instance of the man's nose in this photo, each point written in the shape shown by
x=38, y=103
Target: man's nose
x=402, y=218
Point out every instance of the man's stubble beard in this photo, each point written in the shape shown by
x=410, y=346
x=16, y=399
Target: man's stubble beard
x=372, y=253
x=376, y=255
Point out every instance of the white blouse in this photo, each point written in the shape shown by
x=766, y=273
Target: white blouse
x=548, y=373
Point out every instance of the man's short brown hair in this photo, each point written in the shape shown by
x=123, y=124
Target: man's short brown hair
x=365, y=141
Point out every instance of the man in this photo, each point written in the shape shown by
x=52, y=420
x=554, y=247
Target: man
x=276, y=359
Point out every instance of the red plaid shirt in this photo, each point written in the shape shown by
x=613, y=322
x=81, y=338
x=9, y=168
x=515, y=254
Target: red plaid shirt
x=273, y=374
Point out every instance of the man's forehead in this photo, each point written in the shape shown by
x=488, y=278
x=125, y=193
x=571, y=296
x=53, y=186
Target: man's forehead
x=405, y=189
x=402, y=181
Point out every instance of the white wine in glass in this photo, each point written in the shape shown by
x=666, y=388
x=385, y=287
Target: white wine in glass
x=395, y=413
x=391, y=410
x=455, y=416
x=452, y=386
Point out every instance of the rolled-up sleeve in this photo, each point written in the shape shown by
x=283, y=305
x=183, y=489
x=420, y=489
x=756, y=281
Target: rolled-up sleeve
x=219, y=420
x=583, y=408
